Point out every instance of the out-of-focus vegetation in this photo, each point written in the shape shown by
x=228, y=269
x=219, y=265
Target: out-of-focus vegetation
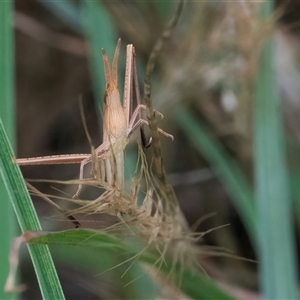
x=224, y=92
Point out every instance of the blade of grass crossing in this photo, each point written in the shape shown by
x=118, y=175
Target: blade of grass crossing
x=194, y=284
x=227, y=169
x=17, y=193
x=278, y=274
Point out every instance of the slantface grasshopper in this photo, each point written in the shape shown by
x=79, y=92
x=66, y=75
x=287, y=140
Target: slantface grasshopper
x=118, y=124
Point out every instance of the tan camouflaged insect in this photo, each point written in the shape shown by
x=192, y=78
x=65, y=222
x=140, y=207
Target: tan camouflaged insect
x=118, y=124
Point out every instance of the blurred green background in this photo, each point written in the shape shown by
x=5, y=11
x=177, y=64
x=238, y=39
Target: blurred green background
x=220, y=97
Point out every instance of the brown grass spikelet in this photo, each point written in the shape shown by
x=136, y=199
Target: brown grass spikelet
x=157, y=222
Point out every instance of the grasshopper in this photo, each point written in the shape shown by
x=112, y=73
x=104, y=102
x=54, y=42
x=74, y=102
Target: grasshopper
x=118, y=124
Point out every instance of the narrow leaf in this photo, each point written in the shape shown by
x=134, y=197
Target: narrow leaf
x=276, y=240
x=18, y=195
x=195, y=285
x=224, y=166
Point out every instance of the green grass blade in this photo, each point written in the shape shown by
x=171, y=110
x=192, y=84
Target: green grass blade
x=276, y=242
x=195, y=285
x=226, y=168
x=92, y=260
x=26, y=215
x=7, y=69
x=7, y=101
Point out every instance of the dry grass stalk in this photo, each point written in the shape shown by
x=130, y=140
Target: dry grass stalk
x=158, y=221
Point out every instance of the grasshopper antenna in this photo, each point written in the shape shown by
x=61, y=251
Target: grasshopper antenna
x=84, y=121
x=95, y=167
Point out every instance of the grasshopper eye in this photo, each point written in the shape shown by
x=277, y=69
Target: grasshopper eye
x=149, y=143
